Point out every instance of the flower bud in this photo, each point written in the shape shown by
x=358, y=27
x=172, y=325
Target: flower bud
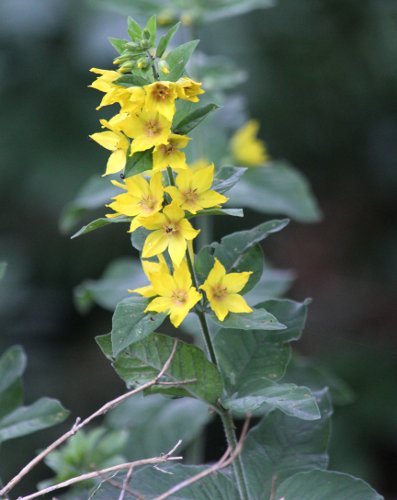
x=164, y=67
x=145, y=44
x=127, y=66
x=146, y=34
x=142, y=63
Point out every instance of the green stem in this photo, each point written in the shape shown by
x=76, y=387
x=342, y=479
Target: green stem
x=226, y=418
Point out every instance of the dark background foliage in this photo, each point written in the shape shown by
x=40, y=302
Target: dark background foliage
x=323, y=84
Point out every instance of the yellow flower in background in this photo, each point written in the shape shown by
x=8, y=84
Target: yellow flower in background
x=170, y=230
x=168, y=155
x=141, y=200
x=221, y=289
x=150, y=267
x=192, y=191
x=114, y=141
x=160, y=97
x=246, y=148
x=176, y=295
x=188, y=90
x=148, y=129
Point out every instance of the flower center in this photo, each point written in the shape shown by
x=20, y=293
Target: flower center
x=167, y=149
x=152, y=128
x=219, y=291
x=179, y=297
x=148, y=203
x=190, y=196
x=160, y=92
x=171, y=228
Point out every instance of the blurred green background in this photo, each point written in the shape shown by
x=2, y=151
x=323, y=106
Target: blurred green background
x=323, y=82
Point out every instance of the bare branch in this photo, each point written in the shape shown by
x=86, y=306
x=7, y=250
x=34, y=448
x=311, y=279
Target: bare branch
x=224, y=461
x=80, y=424
x=91, y=475
x=126, y=482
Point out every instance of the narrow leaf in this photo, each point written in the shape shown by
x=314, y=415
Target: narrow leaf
x=133, y=80
x=226, y=177
x=151, y=26
x=131, y=324
x=134, y=30
x=232, y=212
x=189, y=122
x=165, y=40
x=258, y=319
x=178, y=58
x=118, y=44
x=98, y=223
x=139, y=162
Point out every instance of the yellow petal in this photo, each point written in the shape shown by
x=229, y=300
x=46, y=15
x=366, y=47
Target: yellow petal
x=177, y=248
x=182, y=277
x=236, y=304
x=160, y=305
x=155, y=243
x=203, y=178
x=155, y=221
x=108, y=140
x=210, y=199
x=219, y=309
x=116, y=162
x=234, y=282
x=173, y=212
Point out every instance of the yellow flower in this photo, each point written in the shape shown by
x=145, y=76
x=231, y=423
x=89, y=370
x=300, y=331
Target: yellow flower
x=168, y=155
x=148, y=129
x=150, y=267
x=192, y=191
x=176, y=295
x=222, y=288
x=160, y=97
x=170, y=230
x=114, y=141
x=188, y=90
x=246, y=148
x=141, y=200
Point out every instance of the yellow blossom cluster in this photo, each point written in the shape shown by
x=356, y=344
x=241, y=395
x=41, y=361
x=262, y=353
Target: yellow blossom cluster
x=163, y=207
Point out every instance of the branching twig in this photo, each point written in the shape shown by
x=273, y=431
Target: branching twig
x=80, y=424
x=224, y=461
x=91, y=475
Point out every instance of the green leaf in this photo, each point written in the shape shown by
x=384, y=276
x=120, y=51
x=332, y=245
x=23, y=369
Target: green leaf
x=151, y=482
x=158, y=423
x=277, y=188
x=142, y=361
x=3, y=269
x=138, y=238
x=178, y=58
x=131, y=324
x=324, y=485
x=273, y=283
x=134, y=30
x=189, y=122
x=151, y=27
x=261, y=397
x=27, y=419
x=280, y=446
x=120, y=275
x=139, y=162
x=222, y=10
x=95, y=193
x=258, y=319
x=251, y=260
x=292, y=314
x=12, y=366
x=232, y=246
x=118, y=44
x=246, y=357
x=98, y=223
x=232, y=212
x=133, y=80
x=165, y=40
x=226, y=177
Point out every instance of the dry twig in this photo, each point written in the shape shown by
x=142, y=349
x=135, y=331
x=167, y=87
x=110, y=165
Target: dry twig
x=80, y=424
x=224, y=461
x=91, y=475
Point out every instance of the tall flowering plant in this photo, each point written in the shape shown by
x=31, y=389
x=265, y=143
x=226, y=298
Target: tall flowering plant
x=235, y=363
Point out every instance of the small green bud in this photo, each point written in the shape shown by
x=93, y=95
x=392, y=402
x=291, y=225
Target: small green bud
x=145, y=44
x=142, y=63
x=122, y=58
x=164, y=67
x=133, y=46
x=127, y=66
x=146, y=34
